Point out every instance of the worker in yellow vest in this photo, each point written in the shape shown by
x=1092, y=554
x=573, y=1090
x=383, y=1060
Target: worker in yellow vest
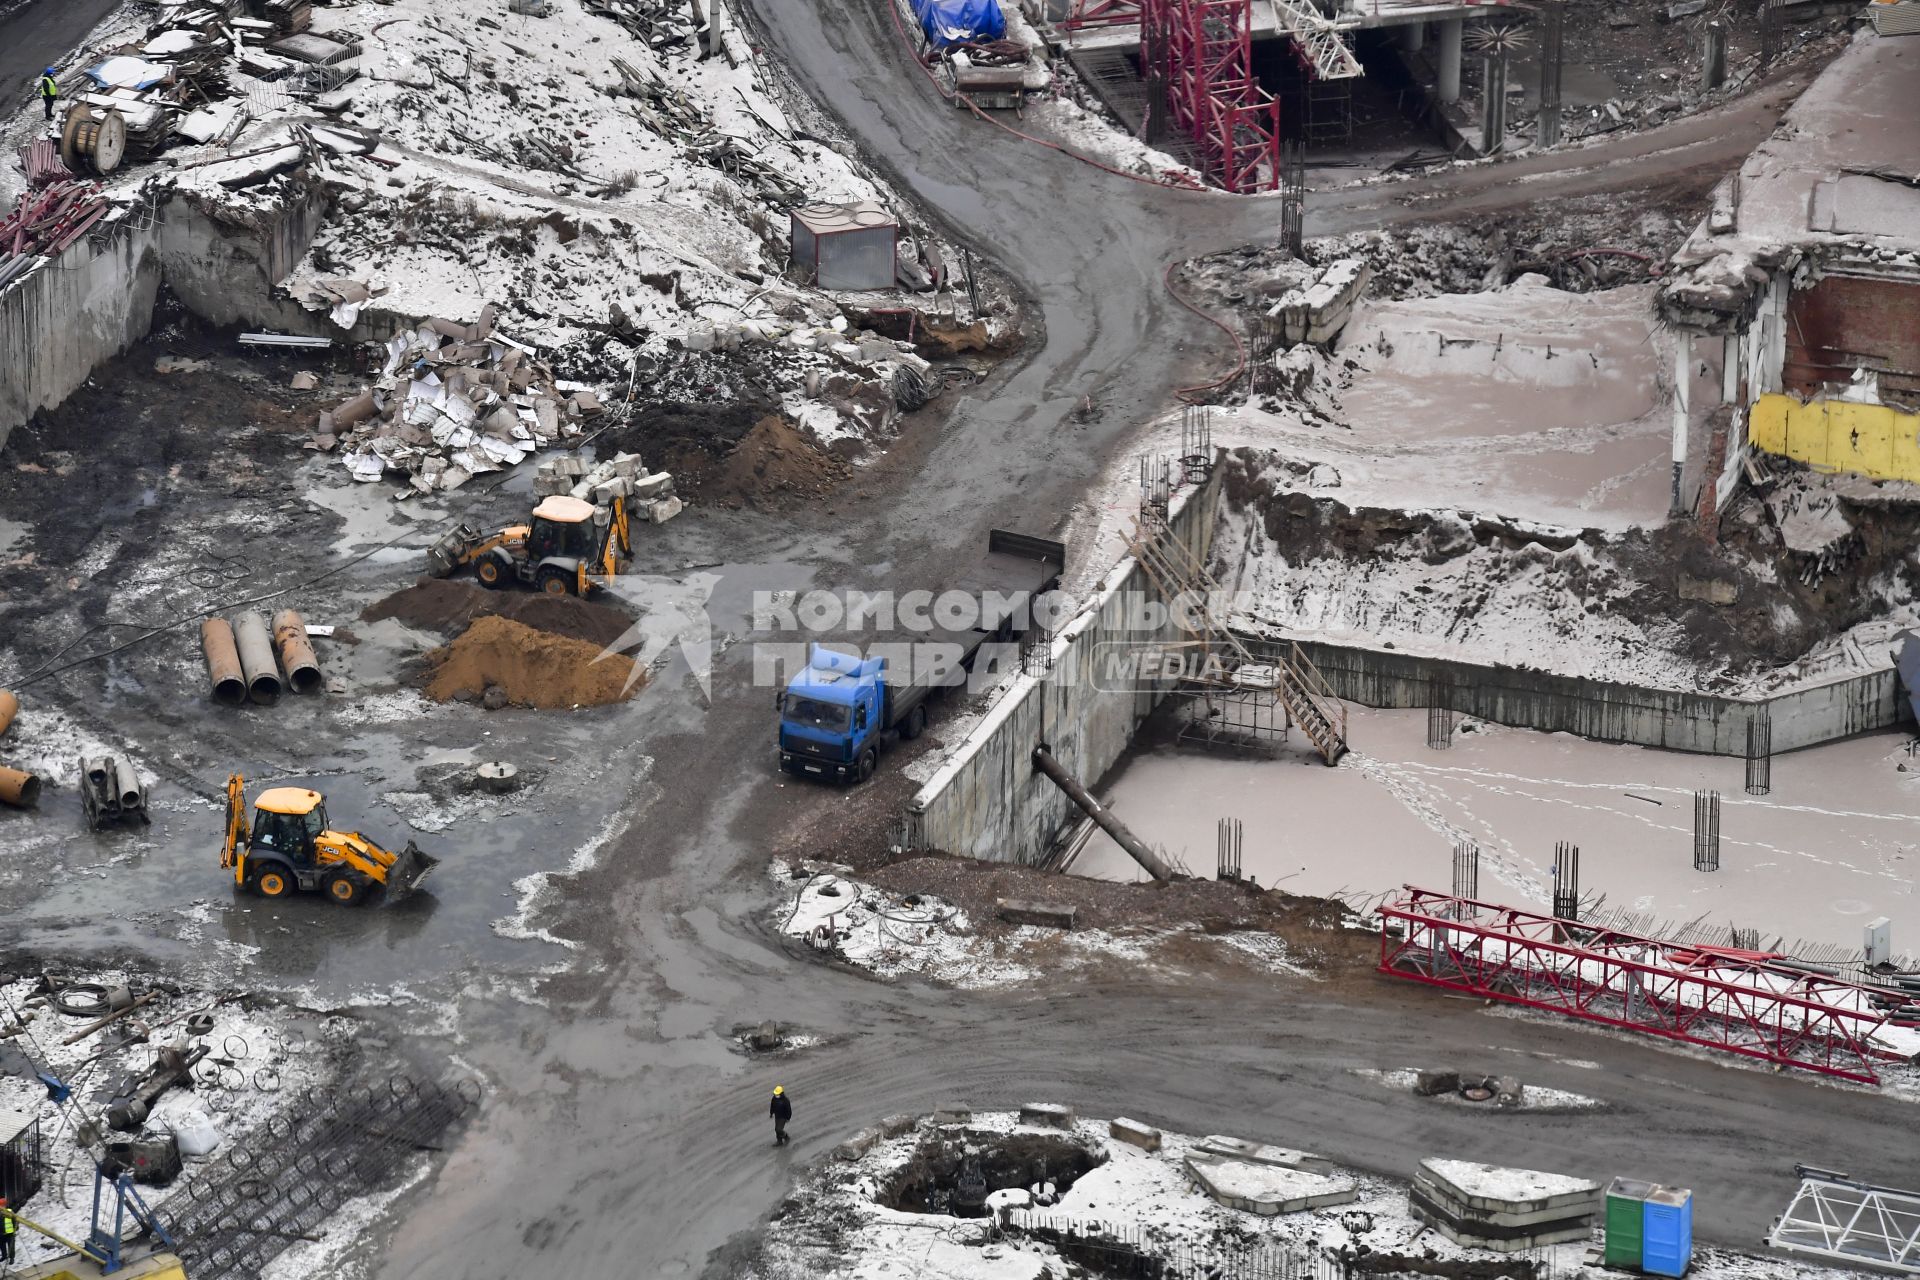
x=49, y=90
x=7, y=1227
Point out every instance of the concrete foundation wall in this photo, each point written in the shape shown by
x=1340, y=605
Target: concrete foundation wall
x=63, y=319
x=84, y=307
x=988, y=801
x=1817, y=712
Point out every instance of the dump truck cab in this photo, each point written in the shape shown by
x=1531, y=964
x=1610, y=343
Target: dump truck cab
x=569, y=546
x=291, y=845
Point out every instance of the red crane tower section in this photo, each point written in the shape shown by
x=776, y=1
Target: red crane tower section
x=1202, y=52
x=1743, y=1002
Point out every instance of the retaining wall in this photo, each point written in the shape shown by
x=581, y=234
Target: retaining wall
x=1803, y=716
x=59, y=322
x=988, y=801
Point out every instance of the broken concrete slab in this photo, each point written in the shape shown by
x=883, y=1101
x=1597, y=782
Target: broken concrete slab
x=1044, y=914
x=1133, y=1133
x=894, y=1125
x=858, y=1145
x=1262, y=1153
x=1263, y=1189
x=953, y=1113
x=1503, y=1209
x=1046, y=1115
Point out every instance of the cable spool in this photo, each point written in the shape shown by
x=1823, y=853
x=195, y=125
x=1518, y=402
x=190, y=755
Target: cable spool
x=93, y=139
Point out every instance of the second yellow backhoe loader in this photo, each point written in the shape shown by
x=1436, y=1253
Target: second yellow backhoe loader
x=291, y=846
x=569, y=546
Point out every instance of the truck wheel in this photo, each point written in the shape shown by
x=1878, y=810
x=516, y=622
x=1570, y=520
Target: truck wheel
x=868, y=760
x=556, y=582
x=914, y=725
x=272, y=883
x=491, y=575
x=344, y=889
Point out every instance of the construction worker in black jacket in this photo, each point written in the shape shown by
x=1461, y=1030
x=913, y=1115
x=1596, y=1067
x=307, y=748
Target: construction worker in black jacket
x=781, y=1109
x=49, y=90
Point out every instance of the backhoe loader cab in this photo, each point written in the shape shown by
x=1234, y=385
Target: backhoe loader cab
x=569, y=546
x=290, y=845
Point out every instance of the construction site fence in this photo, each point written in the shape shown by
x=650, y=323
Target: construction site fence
x=1135, y=1251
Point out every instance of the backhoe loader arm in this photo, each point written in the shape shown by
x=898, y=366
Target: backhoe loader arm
x=230, y=855
x=358, y=852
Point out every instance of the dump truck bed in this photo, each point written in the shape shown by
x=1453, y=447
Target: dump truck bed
x=1014, y=562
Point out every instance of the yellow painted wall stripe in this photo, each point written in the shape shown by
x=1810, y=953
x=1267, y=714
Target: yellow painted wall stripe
x=1838, y=435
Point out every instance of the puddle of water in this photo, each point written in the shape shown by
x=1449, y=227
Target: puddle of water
x=1836, y=843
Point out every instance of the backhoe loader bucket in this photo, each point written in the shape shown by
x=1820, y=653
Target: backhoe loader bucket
x=410, y=867
x=444, y=556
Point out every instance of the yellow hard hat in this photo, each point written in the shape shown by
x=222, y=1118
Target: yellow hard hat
x=779, y=1089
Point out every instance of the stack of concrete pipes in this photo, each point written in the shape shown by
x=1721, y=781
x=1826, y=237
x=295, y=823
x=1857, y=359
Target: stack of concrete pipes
x=241, y=661
x=17, y=787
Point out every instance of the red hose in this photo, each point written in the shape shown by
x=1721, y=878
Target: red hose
x=1188, y=394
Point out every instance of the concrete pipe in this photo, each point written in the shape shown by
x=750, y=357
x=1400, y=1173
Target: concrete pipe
x=223, y=662
x=9, y=708
x=19, y=788
x=126, y=782
x=296, y=652
x=256, y=658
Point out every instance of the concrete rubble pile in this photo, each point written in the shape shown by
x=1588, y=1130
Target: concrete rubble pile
x=453, y=401
x=650, y=496
x=904, y=372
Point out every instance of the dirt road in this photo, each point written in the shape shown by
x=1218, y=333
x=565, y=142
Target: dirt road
x=625, y=1136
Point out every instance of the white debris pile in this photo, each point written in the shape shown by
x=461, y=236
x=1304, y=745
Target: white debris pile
x=249, y=1064
x=895, y=935
x=1529, y=1097
x=649, y=496
x=454, y=401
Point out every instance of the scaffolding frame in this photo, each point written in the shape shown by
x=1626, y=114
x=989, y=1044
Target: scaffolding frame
x=1088, y=15
x=1722, y=998
x=1202, y=51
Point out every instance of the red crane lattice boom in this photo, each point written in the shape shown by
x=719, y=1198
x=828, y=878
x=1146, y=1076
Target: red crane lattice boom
x=1202, y=50
x=1743, y=1002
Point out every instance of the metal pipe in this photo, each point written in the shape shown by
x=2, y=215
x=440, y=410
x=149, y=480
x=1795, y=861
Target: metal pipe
x=19, y=788
x=1043, y=760
x=296, y=652
x=256, y=658
x=9, y=708
x=100, y=780
x=223, y=662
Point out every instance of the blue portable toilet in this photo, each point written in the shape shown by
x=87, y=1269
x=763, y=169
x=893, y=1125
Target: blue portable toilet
x=1667, y=1241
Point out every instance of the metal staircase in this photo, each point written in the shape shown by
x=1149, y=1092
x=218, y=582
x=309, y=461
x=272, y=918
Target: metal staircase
x=1287, y=674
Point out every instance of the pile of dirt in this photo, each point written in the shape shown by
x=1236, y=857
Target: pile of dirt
x=448, y=606
x=774, y=462
x=529, y=668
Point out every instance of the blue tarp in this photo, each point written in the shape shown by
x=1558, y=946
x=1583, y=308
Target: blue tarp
x=951, y=22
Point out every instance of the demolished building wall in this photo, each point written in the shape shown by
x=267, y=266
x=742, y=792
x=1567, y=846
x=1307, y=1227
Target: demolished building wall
x=1805, y=277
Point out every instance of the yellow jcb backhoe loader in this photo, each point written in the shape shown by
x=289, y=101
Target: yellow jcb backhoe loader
x=291, y=846
x=570, y=545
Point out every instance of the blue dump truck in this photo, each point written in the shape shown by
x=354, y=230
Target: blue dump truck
x=852, y=698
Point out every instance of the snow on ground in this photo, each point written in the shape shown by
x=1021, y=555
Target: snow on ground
x=836, y=1225
x=1533, y=1098
x=261, y=1061
x=1089, y=133
x=891, y=936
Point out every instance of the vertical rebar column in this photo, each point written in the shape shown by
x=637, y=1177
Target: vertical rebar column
x=1293, y=197
x=1493, y=103
x=1439, y=727
x=1760, y=753
x=1566, y=880
x=1713, y=55
x=1466, y=869
x=1771, y=25
x=1706, y=831
x=1227, y=853
x=1552, y=14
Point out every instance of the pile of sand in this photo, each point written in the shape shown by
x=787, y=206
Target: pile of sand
x=448, y=605
x=774, y=461
x=531, y=668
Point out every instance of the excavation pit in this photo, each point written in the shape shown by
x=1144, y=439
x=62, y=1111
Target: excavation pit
x=954, y=1174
